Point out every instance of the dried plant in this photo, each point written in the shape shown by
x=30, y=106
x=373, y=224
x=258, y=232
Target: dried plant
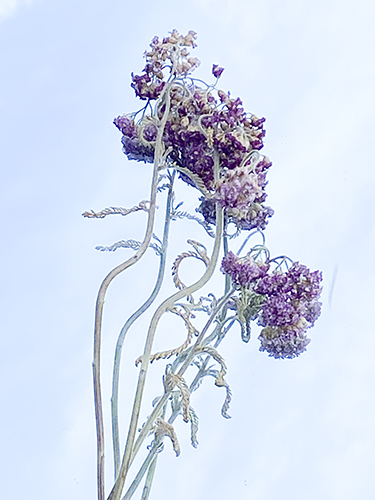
x=191, y=130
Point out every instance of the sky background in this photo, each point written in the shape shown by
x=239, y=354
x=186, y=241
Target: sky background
x=300, y=428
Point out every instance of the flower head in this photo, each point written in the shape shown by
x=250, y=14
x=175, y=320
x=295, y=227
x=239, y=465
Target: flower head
x=217, y=71
x=214, y=144
x=135, y=139
x=243, y=271
x=291, y=307
x=281, y=343
x=237, y=190
x=202, y=124
x=167, y=53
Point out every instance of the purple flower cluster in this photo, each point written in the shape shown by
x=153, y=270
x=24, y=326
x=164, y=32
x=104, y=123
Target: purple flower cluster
x=281, y=344
x=256, y=217
x=241, y=192
x=290, y=303
x=298, y=283
x=168, y=53
x=201, y=126
x=137, y=140
x=238, y=189
x=243, y=271
x=214, y=144
x=291, y=308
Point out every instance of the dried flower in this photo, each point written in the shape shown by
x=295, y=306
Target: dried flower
x=243, y=271
x=281, y=344
x=291, y=308
x=217, y=71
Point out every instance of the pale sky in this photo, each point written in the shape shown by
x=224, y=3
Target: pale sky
x=300, y=429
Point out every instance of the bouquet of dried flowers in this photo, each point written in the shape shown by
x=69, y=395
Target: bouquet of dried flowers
x=192, y=132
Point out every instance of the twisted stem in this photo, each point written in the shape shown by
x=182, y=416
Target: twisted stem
x=167, y=304
x=128, y=324
x=101, y=296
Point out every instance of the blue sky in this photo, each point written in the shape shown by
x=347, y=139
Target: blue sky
x=300, y=428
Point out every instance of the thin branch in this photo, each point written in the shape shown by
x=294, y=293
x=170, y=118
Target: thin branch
x=149, y=479
x=177, y=350
x=161, y=408
x=116, y=210
x=167, y=304
x=100, y=303
x=129, y=323
x=202, y=222
x=142, y=471
x=188, y=359
x=98, y=329
x=119, y=484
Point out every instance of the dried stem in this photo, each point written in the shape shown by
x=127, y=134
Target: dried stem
x=167, y=304
x=116, y=492
x=128, y=324
x=142, y=471
x=101, y=296
x=190, y=355
x=155, y=448
x=177, y=350
x=149, y=479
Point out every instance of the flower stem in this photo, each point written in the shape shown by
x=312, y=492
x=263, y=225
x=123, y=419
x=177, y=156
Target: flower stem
x=128, y=324
x=167, y=304
x=101, y=296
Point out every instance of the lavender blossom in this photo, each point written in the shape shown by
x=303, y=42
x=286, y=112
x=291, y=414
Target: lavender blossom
x=197, y=128
x=135, y=145
x=256, y=217
x=150, y=132
x=161, y=56
x=238, y=189
x=281, y=344
x=134, y=149
x=147, y=88
x=298, y=282
x=243, y=271
x=126, y=126
x=217, y=71
x=311, y=311
x=290, y=309
x=305, y=284
x=279, y=311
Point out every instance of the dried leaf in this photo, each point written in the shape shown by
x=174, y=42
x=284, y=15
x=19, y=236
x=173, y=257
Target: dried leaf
x=162, y=429
x=116, y=210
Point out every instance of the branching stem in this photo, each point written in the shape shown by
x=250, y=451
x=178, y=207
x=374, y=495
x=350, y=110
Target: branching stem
x=128, y=324
x=161, y=404
x=158, y=408
x=101, y=296
x=167, y=304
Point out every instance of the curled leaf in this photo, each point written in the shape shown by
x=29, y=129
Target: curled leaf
x=162, y=429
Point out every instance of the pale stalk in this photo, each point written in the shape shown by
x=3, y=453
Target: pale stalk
x=158, y=408
x=167, y=304
x=149, y=479
x=148, y=463
x=100, y=303
x=128, y=324
x=142, y=471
